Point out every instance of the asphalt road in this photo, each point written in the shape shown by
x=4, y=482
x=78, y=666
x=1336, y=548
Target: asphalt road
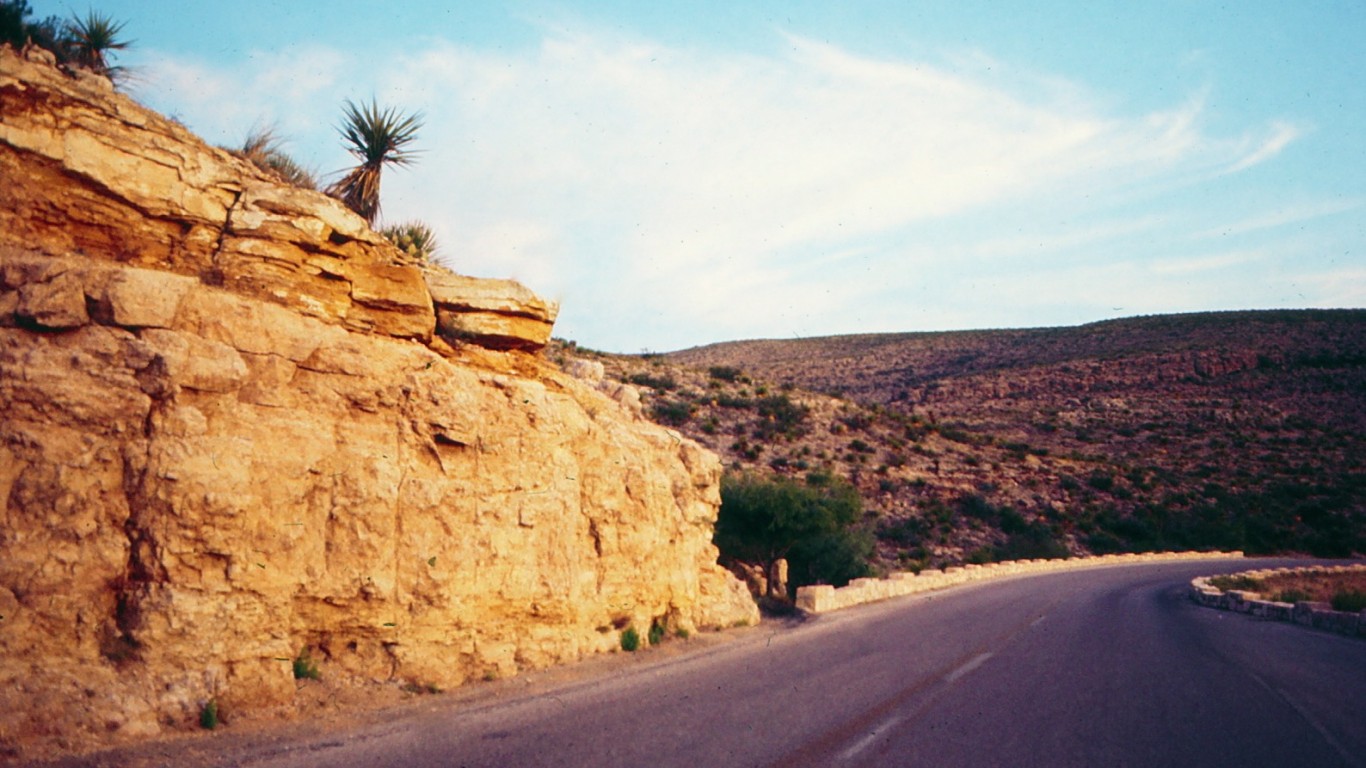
x=1107, y=667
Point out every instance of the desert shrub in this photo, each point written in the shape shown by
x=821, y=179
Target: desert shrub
x=724, y=373
x=811, y=524
x=733, y=401
x=305, y=668
x=1245, y=583
x=1351, y=600
x=661, y=383
x=1035, y=541
x=976, y=506
x=208, y=716
x=1101, y=480
x=657, y=630
x=675, y=413
x=859, y=422
x=905, y=532
x=981, y=556
x=1292, y=596
x=780, y=417
x=836, y=557
x=630, y=639
x=264, y=148
x=743, y=447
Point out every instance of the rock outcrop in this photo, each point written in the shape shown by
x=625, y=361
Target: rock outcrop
x=238, y=424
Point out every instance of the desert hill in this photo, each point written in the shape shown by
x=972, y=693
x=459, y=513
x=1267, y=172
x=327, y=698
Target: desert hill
x=1238, y=430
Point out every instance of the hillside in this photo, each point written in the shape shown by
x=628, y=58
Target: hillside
x=1235, y=430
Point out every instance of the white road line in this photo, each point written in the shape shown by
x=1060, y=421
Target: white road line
x=976, y=662
x=1347, y=756
x=868, y=740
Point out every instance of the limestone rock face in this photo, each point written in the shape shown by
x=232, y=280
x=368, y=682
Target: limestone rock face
x=230, y=433
x=500, y=314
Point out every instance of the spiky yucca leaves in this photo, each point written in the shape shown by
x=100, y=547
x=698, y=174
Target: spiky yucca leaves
x=377, y=137
x=263, y=148
x=92, y=39
x=414, y=238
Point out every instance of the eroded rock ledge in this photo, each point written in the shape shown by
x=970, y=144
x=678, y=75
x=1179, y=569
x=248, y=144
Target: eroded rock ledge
x=238, y=424
x=89, y=171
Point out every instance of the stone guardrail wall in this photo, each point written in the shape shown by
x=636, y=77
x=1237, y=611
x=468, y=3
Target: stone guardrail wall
x=822, y=598
x=1309, y=614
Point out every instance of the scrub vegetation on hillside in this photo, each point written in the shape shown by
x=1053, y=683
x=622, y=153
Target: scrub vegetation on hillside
x=1193, y=432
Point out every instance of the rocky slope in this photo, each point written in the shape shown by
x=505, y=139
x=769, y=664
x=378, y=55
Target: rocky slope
x=239, y=425
x=1226, y=430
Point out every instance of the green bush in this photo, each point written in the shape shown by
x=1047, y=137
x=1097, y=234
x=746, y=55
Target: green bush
x=675, y=413
x=981, y=556
x=1292, y=596
x=656, y=635
x=1242, y=583
x=837, y=557
x=208, y=716
x=780, y=417
x=1351, y=600
x=660, y=383
x=1101, y=480
x=811, y=524
x=1035, y=541
x=305, y=668
x=630, y=639
x=733, y=401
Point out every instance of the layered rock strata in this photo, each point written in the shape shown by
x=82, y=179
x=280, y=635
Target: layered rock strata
x=238, y=424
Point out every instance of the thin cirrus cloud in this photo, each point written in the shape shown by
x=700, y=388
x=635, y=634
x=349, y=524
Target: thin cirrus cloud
x=1282, y=134
x=672, y=196
x=1281, y=216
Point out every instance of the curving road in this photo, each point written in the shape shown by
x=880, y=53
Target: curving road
x=1107, y=667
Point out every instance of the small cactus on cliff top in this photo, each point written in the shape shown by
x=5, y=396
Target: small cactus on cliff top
x=414, y=238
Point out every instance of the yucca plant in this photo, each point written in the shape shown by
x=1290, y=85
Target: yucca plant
x=377, y=137
x=92, y=40
x=263, y=148
x=414, y=238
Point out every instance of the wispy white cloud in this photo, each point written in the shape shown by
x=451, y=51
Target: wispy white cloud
x=1341, y=287
x=1282, y=216
x=1282, y=134
x=696, y=195
x=294, y=89
x=1206, y=263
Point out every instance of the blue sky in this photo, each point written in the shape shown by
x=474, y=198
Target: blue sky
x=680, y=174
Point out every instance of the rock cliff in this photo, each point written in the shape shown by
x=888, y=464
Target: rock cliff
x=238, y=424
